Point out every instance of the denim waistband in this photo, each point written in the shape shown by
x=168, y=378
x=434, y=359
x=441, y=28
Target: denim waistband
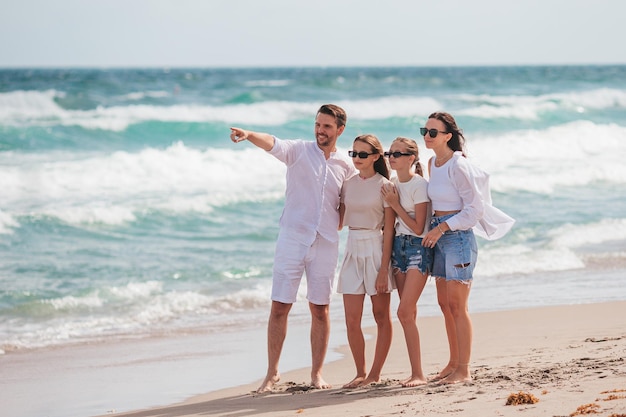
x=434, y=221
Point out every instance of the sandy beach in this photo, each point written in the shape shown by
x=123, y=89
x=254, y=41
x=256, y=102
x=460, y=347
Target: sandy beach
x=556, y=361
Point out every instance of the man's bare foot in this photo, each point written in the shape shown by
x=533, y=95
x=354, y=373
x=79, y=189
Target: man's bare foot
x=319, y=383
x=355, y=382
x=413, y=382
x=268, y=384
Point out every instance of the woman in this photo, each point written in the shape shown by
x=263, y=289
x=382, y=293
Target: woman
x=365, y=268
x=461, y=203
x=411, y=262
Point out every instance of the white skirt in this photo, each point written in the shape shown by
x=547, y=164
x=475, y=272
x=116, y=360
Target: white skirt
x=361, y=262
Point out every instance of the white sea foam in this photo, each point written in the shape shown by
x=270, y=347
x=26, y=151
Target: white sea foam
x=7, y=223
x=90, y=214
x=543, y=160
x=601, y=98
x=135, y=290
x=115, y=188
x=143, y=308
x=576, y=235
x=70, y=302
x=267, y=83
x=135, y=309
x=119, y=118
x=526, y=107
x=140, y=95
x=40, y=108
x=269, y=113
x=525, y=259
x=557, y=252
x=387, y=107
x=24, y=105
x=510, y=107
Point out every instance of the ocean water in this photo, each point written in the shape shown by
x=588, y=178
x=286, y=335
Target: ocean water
x=126, y=212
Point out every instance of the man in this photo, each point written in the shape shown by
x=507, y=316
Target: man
x=308, y=238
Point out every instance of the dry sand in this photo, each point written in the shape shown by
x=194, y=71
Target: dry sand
x=570, y=359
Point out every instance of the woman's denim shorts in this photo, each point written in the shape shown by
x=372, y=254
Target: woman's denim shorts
x=408, y=253
x=455, y=253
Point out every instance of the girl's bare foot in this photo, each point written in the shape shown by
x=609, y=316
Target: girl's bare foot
x=369, y=380
x=413, y=382
x=355, y=382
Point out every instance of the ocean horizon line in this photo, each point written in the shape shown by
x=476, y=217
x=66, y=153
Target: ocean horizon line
x=283, y=67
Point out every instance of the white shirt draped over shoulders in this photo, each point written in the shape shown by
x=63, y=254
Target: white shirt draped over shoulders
x=478, y=211
x=313, y=189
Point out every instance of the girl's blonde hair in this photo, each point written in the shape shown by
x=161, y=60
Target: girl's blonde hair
x=411, y=147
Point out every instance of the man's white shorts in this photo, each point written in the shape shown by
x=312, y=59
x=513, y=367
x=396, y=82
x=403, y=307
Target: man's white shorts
x=293, y=258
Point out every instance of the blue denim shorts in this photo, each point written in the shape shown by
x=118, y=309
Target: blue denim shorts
x=455, y=253
x=408, y=253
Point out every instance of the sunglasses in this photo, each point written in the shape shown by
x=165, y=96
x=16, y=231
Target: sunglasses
x=361, y=155
x=397, y=154
x=432, y=132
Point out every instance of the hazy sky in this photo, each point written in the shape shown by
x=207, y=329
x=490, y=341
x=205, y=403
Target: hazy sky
x=219, y=33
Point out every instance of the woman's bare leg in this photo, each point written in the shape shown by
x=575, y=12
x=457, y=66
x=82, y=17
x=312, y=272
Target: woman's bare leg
x=458, y=296
x=442, y=298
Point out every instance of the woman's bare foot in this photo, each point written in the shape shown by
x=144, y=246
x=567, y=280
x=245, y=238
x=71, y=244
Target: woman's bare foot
x=413, y=382
x=268, y=384
x=355, y=382
x=445, y=372
x=450, y=381
x=461, y=374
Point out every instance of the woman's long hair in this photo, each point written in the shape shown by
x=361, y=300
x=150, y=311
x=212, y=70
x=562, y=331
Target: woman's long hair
x=457, y=142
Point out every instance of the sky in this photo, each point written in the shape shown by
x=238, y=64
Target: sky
x=278, y=33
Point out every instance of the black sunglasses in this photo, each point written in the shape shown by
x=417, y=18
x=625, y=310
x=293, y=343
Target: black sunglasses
x=361, y=155
x=397, y=154
x=432, y=132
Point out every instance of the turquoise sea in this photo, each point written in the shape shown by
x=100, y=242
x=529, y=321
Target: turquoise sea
x=126, y=213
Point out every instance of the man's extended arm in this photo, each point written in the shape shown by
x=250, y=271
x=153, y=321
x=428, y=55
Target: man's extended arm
x=264, y=141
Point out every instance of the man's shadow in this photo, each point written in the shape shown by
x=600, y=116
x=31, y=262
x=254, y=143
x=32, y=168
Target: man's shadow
x=293, y=398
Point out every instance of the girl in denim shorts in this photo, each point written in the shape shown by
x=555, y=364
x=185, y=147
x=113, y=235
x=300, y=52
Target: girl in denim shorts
x=411, y=261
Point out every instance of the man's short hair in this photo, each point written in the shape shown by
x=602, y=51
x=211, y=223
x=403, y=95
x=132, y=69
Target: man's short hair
x=337, y=112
